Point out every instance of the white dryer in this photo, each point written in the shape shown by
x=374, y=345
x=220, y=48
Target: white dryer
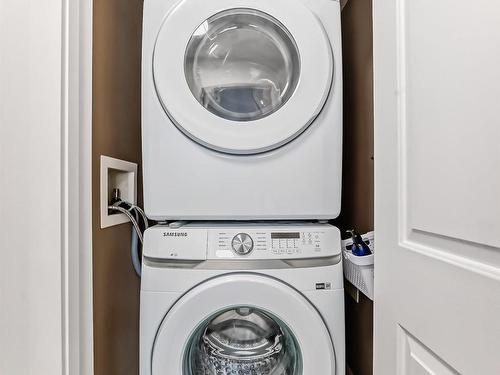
x=242, y=299
x=242, y=109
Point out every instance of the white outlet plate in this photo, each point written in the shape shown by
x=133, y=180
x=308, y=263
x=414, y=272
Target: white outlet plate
x=116, y=173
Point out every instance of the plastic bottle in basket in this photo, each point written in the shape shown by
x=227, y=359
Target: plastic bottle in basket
x=359, y=247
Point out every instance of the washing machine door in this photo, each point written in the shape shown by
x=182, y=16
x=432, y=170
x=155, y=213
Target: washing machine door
x=243, y=324
x=242, y=76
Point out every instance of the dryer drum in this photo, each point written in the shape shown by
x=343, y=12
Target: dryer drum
x=245, y=341
x=242, y=64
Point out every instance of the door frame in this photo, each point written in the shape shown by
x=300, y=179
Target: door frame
x=45, y=226
x=76, y=197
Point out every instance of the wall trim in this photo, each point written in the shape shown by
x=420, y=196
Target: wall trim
x=76, y=166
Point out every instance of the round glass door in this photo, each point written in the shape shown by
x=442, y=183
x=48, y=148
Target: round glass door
x=242, y=340
x=242, y=324
x=242, y=76
x=242, y=64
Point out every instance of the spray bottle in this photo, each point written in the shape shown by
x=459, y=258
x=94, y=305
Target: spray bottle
x=359, y=247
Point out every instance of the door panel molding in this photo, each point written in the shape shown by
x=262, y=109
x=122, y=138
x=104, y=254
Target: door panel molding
x=478, y=258
x=481, y=257
x=418, y=178
x=416, y=359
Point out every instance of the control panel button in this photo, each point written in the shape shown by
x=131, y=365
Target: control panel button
x=242, y=243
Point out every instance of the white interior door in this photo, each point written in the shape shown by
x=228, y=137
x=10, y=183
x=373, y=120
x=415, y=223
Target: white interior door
x=437, y=120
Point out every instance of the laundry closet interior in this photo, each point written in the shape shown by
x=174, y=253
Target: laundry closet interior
x=116, y=132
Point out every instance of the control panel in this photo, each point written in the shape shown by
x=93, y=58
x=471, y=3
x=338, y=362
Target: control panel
x=264, y=244
x=239, y=241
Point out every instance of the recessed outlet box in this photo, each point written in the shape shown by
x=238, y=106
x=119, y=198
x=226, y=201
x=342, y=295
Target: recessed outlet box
x=116, y=174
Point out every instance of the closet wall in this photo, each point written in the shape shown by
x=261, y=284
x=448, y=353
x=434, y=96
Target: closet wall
x=358, y=189
x=116, y=133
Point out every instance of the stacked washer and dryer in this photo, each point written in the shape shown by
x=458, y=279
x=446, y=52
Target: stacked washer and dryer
x=242, y=157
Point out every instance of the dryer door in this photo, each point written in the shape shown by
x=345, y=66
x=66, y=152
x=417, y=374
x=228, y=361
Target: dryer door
x=242, y=76
x=243, y=324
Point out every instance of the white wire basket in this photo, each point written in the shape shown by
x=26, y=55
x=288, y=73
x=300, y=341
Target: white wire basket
x=360, y=270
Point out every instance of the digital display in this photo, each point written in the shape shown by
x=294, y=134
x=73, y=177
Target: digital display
x=287, y=236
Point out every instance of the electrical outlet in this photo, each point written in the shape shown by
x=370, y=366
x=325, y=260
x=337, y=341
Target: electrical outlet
x=119, y=174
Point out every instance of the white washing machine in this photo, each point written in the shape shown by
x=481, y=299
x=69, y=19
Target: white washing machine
x=242, y=109
x=242, y=299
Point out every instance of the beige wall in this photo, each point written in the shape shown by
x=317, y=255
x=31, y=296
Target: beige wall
x=116, y=133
